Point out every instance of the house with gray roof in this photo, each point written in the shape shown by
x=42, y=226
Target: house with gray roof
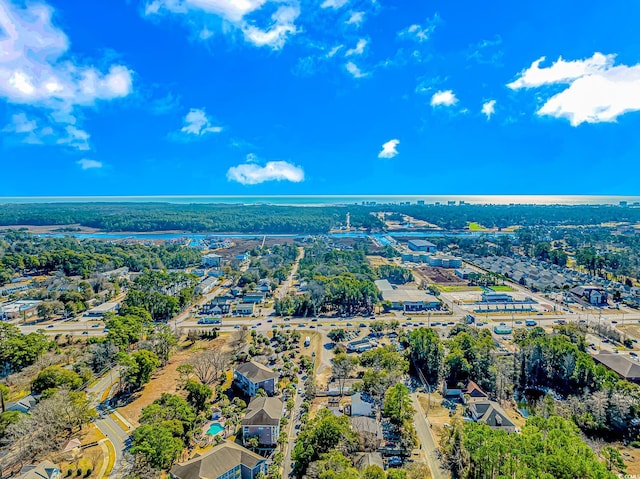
x=491, y=414
x=225, y=461
x=44, y=470
x=623, y=366
x=251, y=376
x=262, y=420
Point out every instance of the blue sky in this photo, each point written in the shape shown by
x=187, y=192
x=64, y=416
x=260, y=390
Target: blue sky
x=144, y=97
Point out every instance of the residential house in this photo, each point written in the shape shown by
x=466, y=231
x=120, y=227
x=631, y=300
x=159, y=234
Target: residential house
x=492, y=414
x=594, y=295
x=23, y=405
x=472, y=392
x=262, y=420
x=251, y=376
x=225, y=461
x=218, y=305
x=44, y=470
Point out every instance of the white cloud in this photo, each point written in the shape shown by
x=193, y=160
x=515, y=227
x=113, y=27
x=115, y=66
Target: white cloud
x=358, y=49
x=598, y=90
x=561, y=71
x=444, y=98
x=331, y=53
x=354, y=70
x=273, y=34
x=420, y=33
x=335, y=4
x=87, y=164
x=197, y=123
x=489, y=108
x=75, y=138
x=389, y=149
x=356, y=19
x=34, y=71
x=253, y=174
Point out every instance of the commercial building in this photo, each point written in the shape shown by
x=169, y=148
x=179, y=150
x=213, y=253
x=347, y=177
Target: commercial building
x=422, y=245
x=406, y=298
x=100, y=310
x=624, y=367
x=206, y=285
x=18, y=310
x=251, y=376
x=245, y=309
x=225, y=461
x=262, y=420
x=361, y=405
x=465, y=273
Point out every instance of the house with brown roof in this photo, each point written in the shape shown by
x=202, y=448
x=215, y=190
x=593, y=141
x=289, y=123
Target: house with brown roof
x=473, y=392
x=262, y=420
x=626, y=369
x=225, y=461
x=251, y=376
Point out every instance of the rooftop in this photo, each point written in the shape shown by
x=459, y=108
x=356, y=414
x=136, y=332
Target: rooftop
x=255, y=372
x=620, y=364
x=215, y=462
x=263, y=411
x=401, y=294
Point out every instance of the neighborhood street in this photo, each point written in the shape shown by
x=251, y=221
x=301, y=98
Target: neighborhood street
x=427, y=441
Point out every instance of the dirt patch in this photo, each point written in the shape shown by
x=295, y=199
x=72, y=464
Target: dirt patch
x=631, y=457
x=165, y=380
x=440, y=275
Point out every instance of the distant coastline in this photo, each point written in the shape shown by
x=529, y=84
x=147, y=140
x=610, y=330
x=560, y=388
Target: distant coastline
x=331, y=200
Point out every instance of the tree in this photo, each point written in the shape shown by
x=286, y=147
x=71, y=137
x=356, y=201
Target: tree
x=252, y=443
x=397, y=404
x=138, y=367
x=613, y=459
x=426, y=352
x=337, y=335
x=157, y=444
x=342, y=366
x=210, y=364
x=198, y=395
x=373, y=472
x=323, y=434
x=54, y=377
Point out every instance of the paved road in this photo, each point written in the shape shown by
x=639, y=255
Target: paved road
x=117, y=436
x=287, y=465
x=283, y=290
x=427, y=442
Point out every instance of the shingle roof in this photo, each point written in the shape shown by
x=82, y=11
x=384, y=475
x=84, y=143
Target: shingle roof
x=44, y=470
x=263, y=411
x=255, y=372
x=619, y=364
x=215, y=462
x=492, y=414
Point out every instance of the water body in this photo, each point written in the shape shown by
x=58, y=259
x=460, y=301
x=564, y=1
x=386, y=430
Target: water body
x=326, y=200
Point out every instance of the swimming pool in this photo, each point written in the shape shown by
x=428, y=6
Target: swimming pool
x=214, y=429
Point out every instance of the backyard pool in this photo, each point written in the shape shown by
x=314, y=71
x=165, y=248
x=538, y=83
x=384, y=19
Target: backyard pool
x=214, y=429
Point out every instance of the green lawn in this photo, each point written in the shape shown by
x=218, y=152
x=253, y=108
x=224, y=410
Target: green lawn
x=502, y=288
x=457, y=289
x=476, y=227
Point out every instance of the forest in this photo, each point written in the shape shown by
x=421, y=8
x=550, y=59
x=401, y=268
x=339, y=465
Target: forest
x=195, y=218
x=22, y=252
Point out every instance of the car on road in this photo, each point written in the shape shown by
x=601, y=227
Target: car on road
x=50, y=326
x=349, y=324
x=236, y=326
x=269, y=320
x=633, y=354
x=362, y=325
x=518, y=322
x=299, y=390
x=95, y=325
x=85, y=332
x=315, y=320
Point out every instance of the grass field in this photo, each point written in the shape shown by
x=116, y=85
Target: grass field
x=503, y=287
x=457, y=289
x=473, y=226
